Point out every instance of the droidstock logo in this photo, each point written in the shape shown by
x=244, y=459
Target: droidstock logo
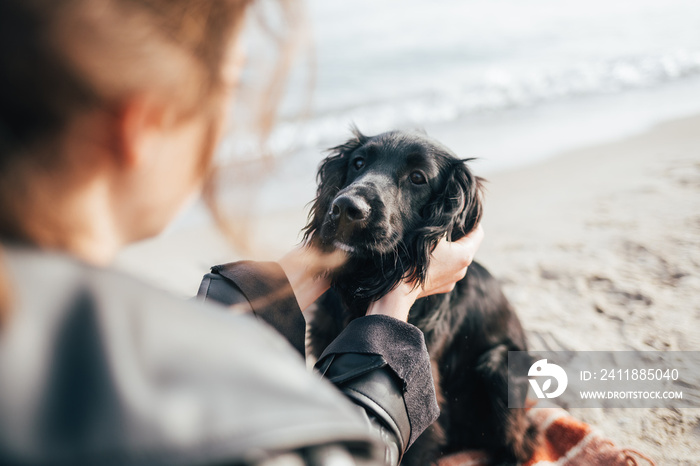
x=551, y=371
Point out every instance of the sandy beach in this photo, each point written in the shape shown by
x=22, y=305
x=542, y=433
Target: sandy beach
x=598, y=249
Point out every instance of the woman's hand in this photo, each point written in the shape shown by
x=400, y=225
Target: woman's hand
x=448, y=265
x=306, y=269
x=449, y=262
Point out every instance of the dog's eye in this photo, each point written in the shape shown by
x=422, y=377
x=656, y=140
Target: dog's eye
x=358, y=163
x=418, y=178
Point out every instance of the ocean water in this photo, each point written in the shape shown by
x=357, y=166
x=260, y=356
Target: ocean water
x=508, y=81
x=399, y=63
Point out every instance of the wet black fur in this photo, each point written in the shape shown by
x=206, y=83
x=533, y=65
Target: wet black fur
x=468, y=331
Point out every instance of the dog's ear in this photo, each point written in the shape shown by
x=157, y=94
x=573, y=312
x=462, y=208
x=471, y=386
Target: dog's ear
x=463, y=200
x=454, y=212
x=330, y=179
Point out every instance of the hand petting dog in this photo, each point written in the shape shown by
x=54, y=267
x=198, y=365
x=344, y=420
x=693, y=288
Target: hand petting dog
x=448, y=265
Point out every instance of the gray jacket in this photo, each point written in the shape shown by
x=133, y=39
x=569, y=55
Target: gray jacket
x=97, y=368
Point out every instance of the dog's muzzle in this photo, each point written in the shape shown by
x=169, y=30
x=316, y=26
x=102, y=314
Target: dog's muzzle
x=358, y=219
x=348, y=215
x=349, y=212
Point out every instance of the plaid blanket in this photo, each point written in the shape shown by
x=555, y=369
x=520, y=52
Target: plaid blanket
x=564, y=441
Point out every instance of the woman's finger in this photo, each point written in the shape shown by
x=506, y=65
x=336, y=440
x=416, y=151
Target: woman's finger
x=449, y=262
x=470, y=243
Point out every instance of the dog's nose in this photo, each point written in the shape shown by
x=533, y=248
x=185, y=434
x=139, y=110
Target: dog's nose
x=347, y=209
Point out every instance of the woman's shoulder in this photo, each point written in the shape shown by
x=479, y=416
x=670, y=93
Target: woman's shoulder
x=54, y=284
x=96, y=363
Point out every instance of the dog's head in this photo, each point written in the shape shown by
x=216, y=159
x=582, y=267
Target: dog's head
x=386, y=201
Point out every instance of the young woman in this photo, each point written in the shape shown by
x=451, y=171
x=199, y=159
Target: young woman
x=109, y=114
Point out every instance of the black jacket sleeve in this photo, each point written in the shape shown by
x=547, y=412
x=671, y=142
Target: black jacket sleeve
x=379, y=362
x=261, y=288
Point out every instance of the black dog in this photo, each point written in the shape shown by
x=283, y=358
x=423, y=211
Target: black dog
x=387, y=200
